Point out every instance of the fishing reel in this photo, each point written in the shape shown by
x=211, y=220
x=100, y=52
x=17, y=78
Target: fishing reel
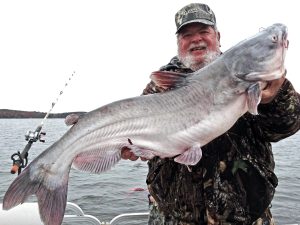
x=34, y=136
x=20, y=159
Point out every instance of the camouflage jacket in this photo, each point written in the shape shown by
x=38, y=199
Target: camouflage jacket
x=234, y=181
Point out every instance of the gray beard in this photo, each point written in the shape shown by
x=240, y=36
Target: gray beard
x=189, y=61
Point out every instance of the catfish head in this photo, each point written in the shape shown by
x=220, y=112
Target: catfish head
x=261, y=57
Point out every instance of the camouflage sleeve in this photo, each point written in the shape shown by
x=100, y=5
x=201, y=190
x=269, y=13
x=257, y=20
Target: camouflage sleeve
x=174, y=65
x=281, y=117
x=151, y=88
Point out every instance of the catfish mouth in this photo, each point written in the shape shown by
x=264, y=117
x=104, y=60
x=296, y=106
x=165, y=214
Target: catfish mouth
x=263, y=76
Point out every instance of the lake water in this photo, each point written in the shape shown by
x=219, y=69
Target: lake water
x=109, y=194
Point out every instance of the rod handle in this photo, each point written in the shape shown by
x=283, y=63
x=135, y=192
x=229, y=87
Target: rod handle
x=14, y=169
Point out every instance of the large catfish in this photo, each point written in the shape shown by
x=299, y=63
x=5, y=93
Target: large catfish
x=201, y=106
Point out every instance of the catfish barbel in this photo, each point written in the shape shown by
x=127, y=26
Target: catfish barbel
x=202, y=106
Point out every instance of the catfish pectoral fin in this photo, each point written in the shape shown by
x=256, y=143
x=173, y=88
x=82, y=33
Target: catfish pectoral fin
x=253, y=98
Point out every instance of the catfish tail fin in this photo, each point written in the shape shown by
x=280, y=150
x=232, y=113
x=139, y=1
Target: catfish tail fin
x=52, y=204
x=18, y=191
x=51, y=195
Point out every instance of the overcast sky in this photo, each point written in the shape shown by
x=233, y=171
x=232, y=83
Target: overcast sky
x=112, y=46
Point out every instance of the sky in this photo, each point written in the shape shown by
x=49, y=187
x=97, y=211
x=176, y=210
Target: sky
x=111, y=47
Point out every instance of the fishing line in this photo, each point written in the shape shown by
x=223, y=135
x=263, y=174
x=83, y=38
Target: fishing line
x=20, y=160
x=57, y=98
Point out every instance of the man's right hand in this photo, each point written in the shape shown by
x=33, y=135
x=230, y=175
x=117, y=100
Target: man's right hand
x=127, y=154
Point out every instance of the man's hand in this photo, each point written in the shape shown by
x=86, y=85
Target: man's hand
x=127, y=154
x=270, y=91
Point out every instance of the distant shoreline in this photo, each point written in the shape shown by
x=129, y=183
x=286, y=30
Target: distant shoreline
x=19, y=114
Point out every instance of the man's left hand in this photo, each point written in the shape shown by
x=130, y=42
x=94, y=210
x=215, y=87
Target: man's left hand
x=270, y=91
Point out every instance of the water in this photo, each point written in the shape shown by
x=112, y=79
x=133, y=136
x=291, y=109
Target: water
x=109, y=194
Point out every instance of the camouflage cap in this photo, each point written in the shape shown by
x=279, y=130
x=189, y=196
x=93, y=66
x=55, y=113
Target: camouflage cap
x=194, y=12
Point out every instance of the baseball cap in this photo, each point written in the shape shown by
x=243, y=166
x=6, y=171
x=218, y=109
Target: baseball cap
x=194, y=13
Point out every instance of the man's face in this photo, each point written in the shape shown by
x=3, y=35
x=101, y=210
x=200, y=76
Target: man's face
x=198, y=44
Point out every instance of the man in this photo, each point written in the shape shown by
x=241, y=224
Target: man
x=234, y=182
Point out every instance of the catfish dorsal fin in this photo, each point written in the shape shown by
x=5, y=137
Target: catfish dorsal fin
x=168, y=79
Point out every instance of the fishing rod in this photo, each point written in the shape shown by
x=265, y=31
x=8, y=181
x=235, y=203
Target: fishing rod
x=20, y=159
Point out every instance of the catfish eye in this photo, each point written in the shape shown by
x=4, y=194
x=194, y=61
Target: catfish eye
x=274, y=39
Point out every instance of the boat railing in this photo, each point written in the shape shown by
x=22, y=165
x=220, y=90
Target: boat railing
x=77, y=216
x=129, y=217
x=27, y=214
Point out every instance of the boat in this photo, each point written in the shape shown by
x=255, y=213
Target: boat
x=28, y=214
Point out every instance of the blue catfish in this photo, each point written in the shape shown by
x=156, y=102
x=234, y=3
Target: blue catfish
x=200, y=107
